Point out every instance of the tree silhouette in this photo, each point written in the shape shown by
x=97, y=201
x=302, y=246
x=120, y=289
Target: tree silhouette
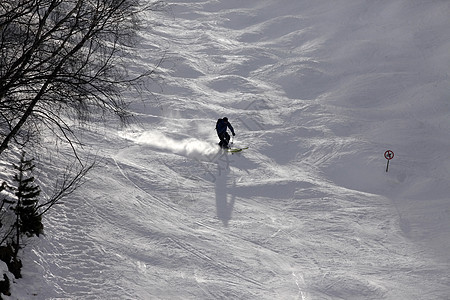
x=28, y=220
x=64, y=59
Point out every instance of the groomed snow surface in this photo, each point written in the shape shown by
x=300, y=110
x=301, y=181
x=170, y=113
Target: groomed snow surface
x=318, y=90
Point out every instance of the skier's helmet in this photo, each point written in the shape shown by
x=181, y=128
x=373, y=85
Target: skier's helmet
x=225, y=119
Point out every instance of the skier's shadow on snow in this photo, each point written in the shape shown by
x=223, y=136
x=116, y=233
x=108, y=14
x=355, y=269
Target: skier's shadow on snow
x=223, y=205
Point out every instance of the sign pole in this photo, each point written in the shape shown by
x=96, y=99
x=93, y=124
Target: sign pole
x=388, y=155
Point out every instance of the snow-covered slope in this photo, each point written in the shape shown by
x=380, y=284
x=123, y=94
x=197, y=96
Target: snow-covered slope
x=318, y=90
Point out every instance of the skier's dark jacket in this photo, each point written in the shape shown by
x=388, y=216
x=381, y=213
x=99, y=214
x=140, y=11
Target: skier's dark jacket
x=221, y=127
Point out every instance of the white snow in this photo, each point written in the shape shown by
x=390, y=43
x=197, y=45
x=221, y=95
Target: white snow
x=318, y=90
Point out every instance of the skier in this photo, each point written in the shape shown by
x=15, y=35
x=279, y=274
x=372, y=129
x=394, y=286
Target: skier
x=221, y=127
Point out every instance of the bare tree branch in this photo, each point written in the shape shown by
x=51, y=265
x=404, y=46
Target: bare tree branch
x=65, y=187
x=65, y=56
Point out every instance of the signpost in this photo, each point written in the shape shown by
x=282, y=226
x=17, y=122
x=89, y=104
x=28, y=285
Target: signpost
x=388, y=155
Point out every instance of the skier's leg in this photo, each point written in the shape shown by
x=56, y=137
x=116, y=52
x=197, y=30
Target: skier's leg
x=222, y=140
x=226, y=138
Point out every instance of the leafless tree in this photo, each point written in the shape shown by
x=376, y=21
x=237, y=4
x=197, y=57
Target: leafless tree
x=63, y=60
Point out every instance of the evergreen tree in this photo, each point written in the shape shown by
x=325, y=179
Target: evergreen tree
x=28, y=218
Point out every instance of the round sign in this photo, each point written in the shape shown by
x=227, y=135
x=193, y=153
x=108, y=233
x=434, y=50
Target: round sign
x=389, y=155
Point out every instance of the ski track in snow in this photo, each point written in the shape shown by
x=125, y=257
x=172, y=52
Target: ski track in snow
x=318, y=90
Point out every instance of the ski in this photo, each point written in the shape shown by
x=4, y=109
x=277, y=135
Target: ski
x=234, y=150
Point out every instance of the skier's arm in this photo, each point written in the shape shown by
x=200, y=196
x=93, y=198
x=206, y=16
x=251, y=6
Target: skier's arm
x=231, y=128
